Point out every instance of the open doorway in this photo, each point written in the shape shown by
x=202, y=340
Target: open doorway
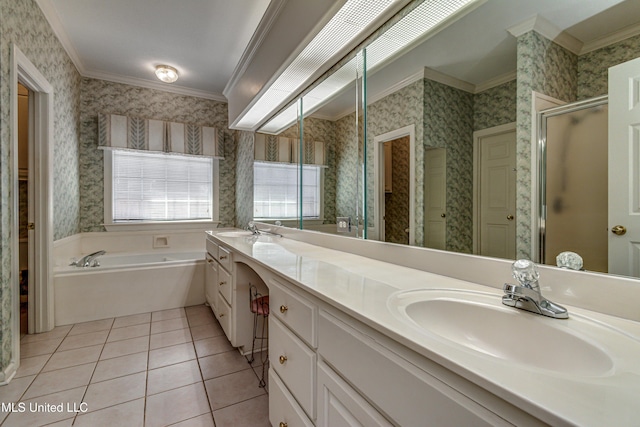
x=25, y=208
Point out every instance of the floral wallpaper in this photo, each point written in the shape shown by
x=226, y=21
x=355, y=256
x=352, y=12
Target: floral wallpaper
x=593, y=66
x=495, y=106
x=24, y=24
x=99, y=96
x=244, y=178
x=396, y=203
x=544, y=67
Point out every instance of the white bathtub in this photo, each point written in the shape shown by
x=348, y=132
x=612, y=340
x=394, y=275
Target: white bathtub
x=128, y=283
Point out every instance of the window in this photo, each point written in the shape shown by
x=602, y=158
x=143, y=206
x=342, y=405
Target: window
x=275, y=190
x=159, y=187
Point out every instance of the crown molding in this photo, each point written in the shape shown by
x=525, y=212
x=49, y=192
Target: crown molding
x=51, y=15
x=166, y=87
x=445, y=79
x=545, y=28
x=267, y=21
x=496, y=81
x=618, y=36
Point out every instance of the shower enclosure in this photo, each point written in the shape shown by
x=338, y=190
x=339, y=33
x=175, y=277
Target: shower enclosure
x=573, y=182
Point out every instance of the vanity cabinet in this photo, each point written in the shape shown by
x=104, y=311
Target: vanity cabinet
x=211, y=283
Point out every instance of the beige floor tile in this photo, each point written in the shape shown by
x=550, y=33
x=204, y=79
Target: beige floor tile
x=173, y=313
x=57, y=332
x=39, y=348
x=30, y=419
x=232, y=388
x=166, y=339
x=128, y=332
x=59, y=380
x=130, y=414
x=64, y=423
x=78, y=356
x=205, y=420
x=120, y=366
x=86, y=327
x=134, y=319
x=195, y=309
x=113, y=392
x=170, y=355
x=214, y=345
x=84, y=340
x=205, y=318
x=221, y=364
x=31, y=365
x=169, y=325
x=176, y=405
x=124, y=347
x=250, y=413
x=13, y=391
x=173, y=376
x=207, y=330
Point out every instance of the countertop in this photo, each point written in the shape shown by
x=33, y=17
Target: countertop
x=362, y=288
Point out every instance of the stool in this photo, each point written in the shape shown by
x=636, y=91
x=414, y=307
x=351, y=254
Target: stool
x=259, y=306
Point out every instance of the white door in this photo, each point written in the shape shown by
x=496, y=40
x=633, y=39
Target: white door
x=435, y=198
x=624, y=168
x=497, y=195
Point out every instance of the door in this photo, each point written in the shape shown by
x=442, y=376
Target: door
x=497, y=194
x=624, y=169
x=435, y=198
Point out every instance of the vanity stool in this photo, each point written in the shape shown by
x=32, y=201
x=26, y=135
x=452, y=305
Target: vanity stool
x=259, y=306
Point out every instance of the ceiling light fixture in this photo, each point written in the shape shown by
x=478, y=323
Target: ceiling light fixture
x=166, y=73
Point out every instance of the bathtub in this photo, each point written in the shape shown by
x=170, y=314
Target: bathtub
x=128, y=283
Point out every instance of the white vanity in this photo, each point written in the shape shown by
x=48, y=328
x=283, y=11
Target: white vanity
x=354, y=339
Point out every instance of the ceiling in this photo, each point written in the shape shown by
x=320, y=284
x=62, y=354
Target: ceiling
x=123, y=40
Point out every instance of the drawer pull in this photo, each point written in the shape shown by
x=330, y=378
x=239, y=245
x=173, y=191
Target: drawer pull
x=223, y=257
x=221, y=314
x=282, y=359
x=222, y=283
x=283, y=309
x=283, y=424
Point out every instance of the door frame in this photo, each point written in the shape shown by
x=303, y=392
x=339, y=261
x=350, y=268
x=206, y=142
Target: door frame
x=477, y=137
x=41, y=283
x=378, y=161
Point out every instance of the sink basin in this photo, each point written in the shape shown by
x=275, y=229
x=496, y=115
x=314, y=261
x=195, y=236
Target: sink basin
x=239, y=233
x=479, y=322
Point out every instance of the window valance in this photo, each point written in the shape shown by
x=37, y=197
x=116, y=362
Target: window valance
x=136, y=133
x=273, y=148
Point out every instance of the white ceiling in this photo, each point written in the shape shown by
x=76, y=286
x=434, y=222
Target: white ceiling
x=123, y=40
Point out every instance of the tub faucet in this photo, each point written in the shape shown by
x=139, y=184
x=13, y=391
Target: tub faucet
x=89, y=260
x=526, y=294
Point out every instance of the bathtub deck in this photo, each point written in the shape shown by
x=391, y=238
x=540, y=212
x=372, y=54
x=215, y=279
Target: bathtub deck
x=150, y=369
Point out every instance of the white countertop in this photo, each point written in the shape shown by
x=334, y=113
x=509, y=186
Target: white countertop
x=361, y=287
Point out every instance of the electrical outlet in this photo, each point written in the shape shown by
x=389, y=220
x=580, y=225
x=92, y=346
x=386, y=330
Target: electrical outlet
x=343, y=224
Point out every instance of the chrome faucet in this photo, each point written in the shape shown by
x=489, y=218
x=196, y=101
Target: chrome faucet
x=89, y=260
x=253, y=228
x=526, y=294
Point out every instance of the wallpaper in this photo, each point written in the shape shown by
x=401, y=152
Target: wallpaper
x=99, y=96
x=593, y=66
x=495, y=106
x=348, y=178
x=24, y=25
x=244, y=178
x=545, y=67
x=396, y=203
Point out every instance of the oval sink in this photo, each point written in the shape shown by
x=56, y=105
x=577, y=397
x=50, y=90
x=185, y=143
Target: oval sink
x=478, y=321
x=239, y=233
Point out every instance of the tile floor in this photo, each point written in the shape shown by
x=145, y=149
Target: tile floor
x=172, y=367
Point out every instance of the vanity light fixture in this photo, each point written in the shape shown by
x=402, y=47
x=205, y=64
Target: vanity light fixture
x=166, y=73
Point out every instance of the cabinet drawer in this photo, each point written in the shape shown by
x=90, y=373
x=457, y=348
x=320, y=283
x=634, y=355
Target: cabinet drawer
x=340, y=405
x=376, y=372
x=224, y=317
x=211, y=283
x=225, y=285
x=283, y=409
x=212, y=248
x=295, y=364
x=294, y=311
x=224, y=257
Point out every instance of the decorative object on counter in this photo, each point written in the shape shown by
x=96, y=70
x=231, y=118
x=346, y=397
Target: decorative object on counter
x=259, y=306
x=570, y=260
x=526, y=295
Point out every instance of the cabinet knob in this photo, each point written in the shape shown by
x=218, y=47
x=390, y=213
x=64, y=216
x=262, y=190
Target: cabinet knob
x=223, y=257
x=221, y=314
x=222, y=283
x=283, y=424
x=282, y=359
x=283, y=309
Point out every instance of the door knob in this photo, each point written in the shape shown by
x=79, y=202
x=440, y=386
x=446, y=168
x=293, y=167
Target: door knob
x=619, y=230
x=443, y=215
x=510, y=217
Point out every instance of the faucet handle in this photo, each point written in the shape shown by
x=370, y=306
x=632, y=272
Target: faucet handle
x=526, y=273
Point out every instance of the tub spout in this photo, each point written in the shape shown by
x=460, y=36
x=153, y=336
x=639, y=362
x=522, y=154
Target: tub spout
x=88, y=260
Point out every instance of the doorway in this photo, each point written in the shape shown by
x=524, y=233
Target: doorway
x=25, y=209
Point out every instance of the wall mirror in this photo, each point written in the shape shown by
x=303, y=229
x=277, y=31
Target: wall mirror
x=463, y=93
